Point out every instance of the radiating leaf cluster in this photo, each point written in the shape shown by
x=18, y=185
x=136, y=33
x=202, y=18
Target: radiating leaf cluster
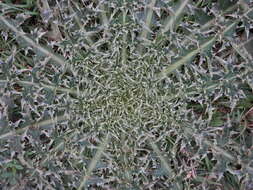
x=127, y=94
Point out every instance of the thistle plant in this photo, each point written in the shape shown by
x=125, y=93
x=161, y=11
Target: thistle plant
x=126, y=94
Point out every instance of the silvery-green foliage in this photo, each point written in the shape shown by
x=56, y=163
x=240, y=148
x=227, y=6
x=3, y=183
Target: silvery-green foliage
x=126, y=95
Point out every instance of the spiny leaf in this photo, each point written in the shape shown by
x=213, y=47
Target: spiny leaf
x=148, y=19
x=37, y=124
x=193, y=53
x=185, y=58
x=94, y=162
x=173, y=18
x=51, y=87
x=57, y=58
x=164, y=162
